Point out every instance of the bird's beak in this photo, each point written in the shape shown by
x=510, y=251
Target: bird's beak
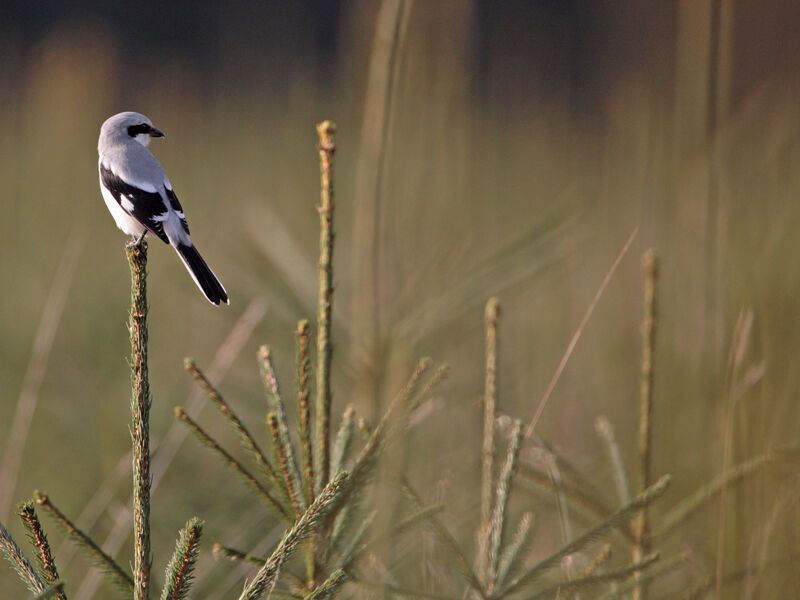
x=156, y=132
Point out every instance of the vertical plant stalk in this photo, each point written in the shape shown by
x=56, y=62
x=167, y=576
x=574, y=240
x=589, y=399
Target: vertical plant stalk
x=641, y=528
x=304, y=419
x=501, y=503
x=327, y=146
x=140, y=411
x=489, y=408
x=283, y=446
x=303, y=408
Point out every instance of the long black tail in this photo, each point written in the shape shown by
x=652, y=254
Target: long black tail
x=203, y=276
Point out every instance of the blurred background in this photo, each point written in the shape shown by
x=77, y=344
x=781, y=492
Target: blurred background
x=483, y=148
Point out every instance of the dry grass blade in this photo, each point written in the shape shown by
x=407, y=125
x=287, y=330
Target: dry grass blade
x=34, y=374
x=577, y=335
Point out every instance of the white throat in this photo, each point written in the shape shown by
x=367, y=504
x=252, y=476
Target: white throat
x=143, y=139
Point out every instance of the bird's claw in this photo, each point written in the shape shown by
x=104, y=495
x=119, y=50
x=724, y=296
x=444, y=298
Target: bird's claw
x=135, y=241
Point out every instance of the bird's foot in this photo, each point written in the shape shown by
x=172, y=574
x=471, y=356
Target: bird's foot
x=136, y=241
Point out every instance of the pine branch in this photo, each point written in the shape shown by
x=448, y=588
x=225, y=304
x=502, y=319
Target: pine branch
x=512, y=553
x=180, y=569
x=447, y=539
x=501, y=502
x=304, y=409
x=108, y=565
x=282, y=449
x=329, y=587
x=311, y=519
x=289, y=465
x=19, y=562
x=592, y=580
x=620, y=516
x=234, y=464
x=246, y=438
x=222, y=551
x=39, y=541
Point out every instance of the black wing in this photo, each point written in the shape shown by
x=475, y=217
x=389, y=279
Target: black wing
x=176, y=206
x=146, y=206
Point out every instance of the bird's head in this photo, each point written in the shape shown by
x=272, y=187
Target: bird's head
x=131, y=124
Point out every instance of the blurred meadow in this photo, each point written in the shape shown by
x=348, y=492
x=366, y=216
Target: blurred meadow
x=483, y=149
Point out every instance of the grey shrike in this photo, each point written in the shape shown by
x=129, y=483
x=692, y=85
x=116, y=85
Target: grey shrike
x=139, y=195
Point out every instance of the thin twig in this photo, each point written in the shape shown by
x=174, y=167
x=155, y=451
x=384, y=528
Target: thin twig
x=35, y=372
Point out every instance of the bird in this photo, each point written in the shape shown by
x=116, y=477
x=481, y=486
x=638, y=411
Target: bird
x=140, y=197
